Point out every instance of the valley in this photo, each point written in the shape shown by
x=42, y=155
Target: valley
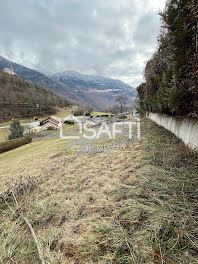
x=96, y=91
x=99, y=92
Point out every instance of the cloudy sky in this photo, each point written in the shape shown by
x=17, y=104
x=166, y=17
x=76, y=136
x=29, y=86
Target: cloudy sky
x=111, y=38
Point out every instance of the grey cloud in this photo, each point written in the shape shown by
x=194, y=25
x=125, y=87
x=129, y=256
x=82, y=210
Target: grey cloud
x=94, y=37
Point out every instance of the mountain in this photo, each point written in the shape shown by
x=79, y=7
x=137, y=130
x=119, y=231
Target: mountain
x=97, y=91
x=39, y=78
x=22, y=99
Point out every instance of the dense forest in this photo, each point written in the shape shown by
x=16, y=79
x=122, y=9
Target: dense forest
x=21, y=99
x=171, y=75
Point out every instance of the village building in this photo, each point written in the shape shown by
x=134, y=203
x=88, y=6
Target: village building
x=35, y=130
x=51, y=122
x=9, y=71
x=31, y=128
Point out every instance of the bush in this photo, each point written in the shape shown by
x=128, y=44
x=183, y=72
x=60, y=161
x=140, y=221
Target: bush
x=68, y=122
x=14, y=143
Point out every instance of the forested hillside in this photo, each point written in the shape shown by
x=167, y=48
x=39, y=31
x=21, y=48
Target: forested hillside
x=40, y=79
x=172, y=73
x=99, y=92
x=20, y=98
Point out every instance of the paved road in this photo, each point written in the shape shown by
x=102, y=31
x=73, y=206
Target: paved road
x=92, y=146
x=25, y=124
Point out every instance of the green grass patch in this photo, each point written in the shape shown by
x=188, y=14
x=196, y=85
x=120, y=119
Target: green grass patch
x=100, y=114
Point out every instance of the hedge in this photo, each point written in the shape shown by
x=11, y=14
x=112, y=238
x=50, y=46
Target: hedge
x=172, y=73
x=14, y=143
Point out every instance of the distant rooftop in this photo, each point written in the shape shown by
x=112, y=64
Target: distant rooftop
x=9, y=71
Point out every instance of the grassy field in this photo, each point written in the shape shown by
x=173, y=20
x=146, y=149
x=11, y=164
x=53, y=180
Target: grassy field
x=100, y=114
x=65, y=112
x=4, y=134
x=134, y=206
x=62, y=112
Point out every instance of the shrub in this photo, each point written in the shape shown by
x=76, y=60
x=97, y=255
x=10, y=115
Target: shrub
x=67, y=122
x=14, y=143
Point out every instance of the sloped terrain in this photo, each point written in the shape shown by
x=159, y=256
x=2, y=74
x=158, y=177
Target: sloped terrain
x=39, y=78
x=138, y=205
x=22, y=99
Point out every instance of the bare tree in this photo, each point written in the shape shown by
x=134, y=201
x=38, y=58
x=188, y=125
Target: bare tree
x=122, y=100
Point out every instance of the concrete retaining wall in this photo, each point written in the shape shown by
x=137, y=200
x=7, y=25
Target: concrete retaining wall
x=186, y=129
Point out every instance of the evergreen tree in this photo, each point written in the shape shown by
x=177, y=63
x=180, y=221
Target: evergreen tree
x=16, y=130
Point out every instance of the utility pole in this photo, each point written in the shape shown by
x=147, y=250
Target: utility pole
x=84, y=112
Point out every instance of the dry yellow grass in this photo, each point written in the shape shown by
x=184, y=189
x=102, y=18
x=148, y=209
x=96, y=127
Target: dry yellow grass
x=29, y=160
x=115, y=207
x=66, y=111
x=4, y=132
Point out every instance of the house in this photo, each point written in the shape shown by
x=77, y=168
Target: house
x=31, y=127
x=35, y=130
x=9, y=71
x=51, y=122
